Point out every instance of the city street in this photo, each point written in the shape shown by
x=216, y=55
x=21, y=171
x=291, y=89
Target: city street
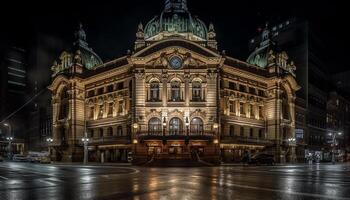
x=38, y=181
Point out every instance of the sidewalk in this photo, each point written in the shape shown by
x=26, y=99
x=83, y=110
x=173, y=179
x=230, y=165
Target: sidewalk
x=90, y=164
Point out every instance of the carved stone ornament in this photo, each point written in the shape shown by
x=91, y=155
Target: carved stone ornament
x=140, y=75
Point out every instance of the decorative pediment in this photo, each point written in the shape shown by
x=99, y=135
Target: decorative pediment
x=176, y=113
x=153, y=77
x=153, y=113
x=198, y=113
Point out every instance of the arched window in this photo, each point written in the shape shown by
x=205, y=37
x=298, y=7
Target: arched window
x=285, y=106
x=154, y=126
x=128, y=130
x=261, y=133
x=110, y=131
x=100, y=132
x=120, y=131
x=154, y=91
x=64, y=106
x=130, y=88
x=92, y=113
x=232, y=130
x=175, y=91
x=91, y=133
x=251, y=110
x=196, y=91
x=251, y=133
x=196, y=126
x=241, y=132
x=175, y=126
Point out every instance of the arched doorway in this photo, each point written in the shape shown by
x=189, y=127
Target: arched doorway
x=196, y=126
x=154, y=126
x=175, y=126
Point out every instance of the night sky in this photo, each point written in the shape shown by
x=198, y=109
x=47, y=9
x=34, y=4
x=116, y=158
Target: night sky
x=111, y=25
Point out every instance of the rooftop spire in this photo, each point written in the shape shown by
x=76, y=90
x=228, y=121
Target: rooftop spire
x=175, y=5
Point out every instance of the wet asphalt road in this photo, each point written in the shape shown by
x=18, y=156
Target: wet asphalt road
x=46, y=182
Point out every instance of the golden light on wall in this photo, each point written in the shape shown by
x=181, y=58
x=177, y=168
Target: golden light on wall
x=134, y=141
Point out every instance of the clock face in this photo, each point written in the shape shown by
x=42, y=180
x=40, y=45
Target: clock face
x=176, y=62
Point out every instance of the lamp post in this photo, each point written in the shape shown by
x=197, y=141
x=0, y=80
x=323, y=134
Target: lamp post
x=9, y=139
x=164, y=126
x=187, y=126
x=333, y=144
x=49, y=141
x=85, y=141
x=291, y=143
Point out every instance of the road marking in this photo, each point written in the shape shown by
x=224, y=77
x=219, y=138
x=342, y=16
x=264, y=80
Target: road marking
x=3, y=177
x=287, y=192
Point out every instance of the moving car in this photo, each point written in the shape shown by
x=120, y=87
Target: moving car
x=45, y=160
x=262, y=158
x=20, y=158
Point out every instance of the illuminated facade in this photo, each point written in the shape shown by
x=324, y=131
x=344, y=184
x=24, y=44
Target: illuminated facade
x=174, y=97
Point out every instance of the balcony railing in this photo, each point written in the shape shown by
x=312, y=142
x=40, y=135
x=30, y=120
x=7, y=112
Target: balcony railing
x=175, y=134
x=110, y=139
x=246, y=140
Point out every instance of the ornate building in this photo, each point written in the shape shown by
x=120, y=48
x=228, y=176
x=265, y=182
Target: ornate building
x=174, y=97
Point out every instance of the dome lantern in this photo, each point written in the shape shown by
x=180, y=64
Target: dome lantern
x=175, y=21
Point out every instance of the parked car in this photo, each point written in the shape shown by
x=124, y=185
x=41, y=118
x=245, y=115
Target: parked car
x=262, y=158
x=20, y=158
x=129, y=156
x=34, y=158
x=45, y=160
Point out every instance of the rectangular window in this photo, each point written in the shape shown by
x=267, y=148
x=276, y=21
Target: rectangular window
x=100, y=112
x=121, y=107
x=242, y=88
x=241, y=108
x=252, y=90
x=260, y=133
x=251, y=109
x=232, y=107
x=231, y=86
x=91, y=115
x=251, y=133
x=110, y=109
x=100, y=91
x=120, y=86
x=91, y=93
x=261, y=93
x=241, y=132
x=110, y=88
x=196, y=94
x=261, y=112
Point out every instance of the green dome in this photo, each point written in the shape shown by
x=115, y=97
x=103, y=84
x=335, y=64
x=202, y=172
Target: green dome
x=176, y=20
x=89, y=58
x=259, y=57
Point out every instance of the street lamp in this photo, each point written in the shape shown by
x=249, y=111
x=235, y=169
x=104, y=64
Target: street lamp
x=49, y=141
x=164, y=126
x=187, y=125
x=291, y=140
x=85, y=141
x=333, y=144
x=10, y=139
